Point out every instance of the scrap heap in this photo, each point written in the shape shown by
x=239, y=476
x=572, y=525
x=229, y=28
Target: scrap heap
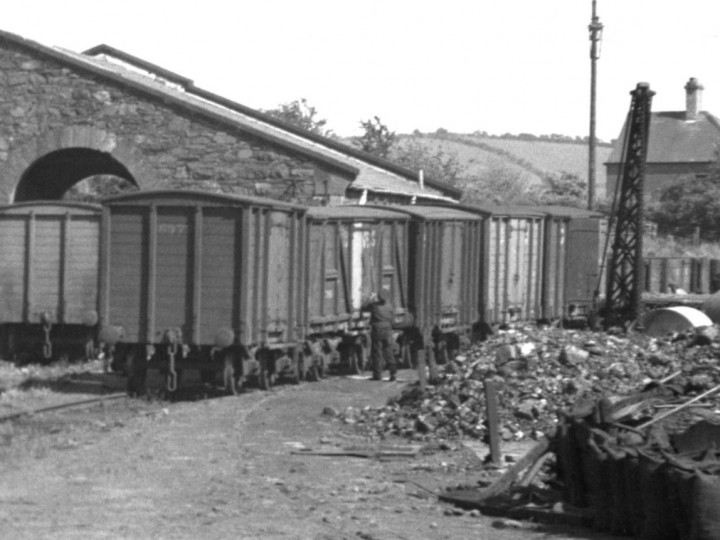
x=538, y=373
x=628, y=428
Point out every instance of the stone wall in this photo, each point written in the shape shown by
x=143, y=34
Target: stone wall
x=47, y=106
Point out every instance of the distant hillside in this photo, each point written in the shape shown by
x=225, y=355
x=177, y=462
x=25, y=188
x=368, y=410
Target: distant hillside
x=533, y=159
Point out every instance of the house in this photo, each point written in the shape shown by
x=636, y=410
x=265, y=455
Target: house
x=66, y=117
x=681, y=144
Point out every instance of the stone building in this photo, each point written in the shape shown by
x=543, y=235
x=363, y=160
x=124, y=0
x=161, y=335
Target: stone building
x=681, y=144
x=66, y=117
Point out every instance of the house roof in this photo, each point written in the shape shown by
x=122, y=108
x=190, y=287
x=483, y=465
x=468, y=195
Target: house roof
x=370, y=172
x=676, y=140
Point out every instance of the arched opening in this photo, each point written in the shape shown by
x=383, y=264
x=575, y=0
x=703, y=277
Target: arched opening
x=74, y=173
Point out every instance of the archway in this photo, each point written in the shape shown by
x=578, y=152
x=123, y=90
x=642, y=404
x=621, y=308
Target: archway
x=51, y=176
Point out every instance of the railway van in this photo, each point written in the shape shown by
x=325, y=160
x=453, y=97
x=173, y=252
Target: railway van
x=352, y=252
x=49, y=272
x=204, y=282
x=446, y=275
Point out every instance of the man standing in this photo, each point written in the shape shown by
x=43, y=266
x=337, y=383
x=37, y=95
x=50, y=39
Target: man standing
x=381, y=351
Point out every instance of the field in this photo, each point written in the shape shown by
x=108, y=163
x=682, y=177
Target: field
x=532, y=159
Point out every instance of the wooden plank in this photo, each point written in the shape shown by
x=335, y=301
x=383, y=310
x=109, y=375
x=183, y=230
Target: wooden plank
x=507, y=479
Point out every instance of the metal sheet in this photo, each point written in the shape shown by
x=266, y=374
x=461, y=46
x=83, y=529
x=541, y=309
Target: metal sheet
x=663, y=321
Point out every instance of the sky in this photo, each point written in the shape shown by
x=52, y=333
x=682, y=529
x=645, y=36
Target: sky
x=500, y=66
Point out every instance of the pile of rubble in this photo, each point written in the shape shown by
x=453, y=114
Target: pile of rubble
x=538, y=372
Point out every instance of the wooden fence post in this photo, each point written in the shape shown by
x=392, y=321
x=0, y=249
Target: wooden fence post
x=493, y=421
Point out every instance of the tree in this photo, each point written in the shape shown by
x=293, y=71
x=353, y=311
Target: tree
x=377, y=138
x=687, y=203
x=564, y=189
x=301, y=114
x=499, y=184
x=438, y=164
x=96, y=188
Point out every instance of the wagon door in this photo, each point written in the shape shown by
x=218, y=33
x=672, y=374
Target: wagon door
x=282, y=265
x=518, y=244
x=586, y=242
x=220, y=247
x=554, y=268
x=533, y=307
x=128, y=255
x=82, y=257
x=451, y=256
x=174, y=272
x=365, y=262
x=494, y=257
x=13, y=235
x=44, y=273
x=392, y=241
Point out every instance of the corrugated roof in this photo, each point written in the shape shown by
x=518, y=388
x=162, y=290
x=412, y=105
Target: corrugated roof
x=371, y=173
x=676, y=140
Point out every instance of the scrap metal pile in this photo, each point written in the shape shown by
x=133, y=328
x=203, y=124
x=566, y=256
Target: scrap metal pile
x=658, y=480
x=619, y=465
x=539, y=372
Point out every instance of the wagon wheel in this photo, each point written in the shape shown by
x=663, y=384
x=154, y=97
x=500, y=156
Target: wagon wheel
x=322, y=367
x=264, y=377
x=441, y=353
x=313, y=372
x=302, y=374
x=355, y=359
x=136, y=374
x=263, y=381
x=406, y=356
x=295, y=369
x=230, y=377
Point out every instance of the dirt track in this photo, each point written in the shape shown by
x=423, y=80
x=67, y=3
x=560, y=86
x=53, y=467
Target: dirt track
x=225, y=468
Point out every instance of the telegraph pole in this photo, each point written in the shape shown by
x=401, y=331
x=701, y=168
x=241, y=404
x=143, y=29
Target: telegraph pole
x=595, y=28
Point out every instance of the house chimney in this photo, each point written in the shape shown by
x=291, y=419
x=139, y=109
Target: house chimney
x=693, y=98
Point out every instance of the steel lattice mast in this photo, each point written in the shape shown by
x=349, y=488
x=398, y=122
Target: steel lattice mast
x=625, y=272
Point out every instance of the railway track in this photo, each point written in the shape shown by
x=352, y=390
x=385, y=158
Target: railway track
x=73, y=404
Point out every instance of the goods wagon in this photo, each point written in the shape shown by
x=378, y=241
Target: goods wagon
x=352, y=252
x=513, y=265
x=585, y=265
x=49, y=271
x=571, y=260
x=205, y=282
x=445, y=275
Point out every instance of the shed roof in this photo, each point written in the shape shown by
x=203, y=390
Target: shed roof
x=358, y=212
x=566, y=211
x=673, y=139
x=370, y=172
x=442, y=212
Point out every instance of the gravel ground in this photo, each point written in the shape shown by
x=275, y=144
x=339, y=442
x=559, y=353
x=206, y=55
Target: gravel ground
x=225, y=467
